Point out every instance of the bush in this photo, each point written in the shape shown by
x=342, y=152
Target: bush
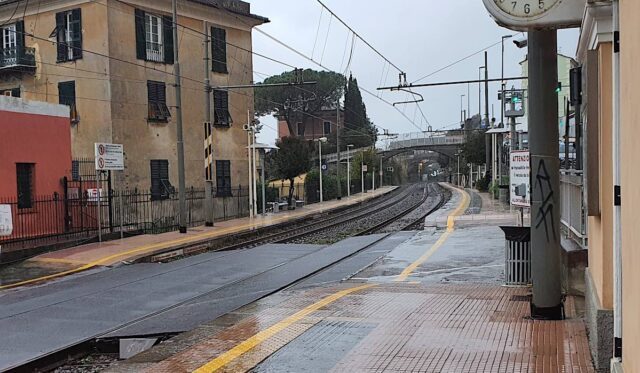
x=272, y=195
x=329, y=186
x=483, y=184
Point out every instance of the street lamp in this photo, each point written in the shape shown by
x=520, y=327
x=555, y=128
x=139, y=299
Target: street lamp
x=349, y=146
x=458, y=181
x=320, y=141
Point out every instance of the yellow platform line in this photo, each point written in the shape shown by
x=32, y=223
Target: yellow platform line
x=166, y=244
x=263, y=335
x=462, y=207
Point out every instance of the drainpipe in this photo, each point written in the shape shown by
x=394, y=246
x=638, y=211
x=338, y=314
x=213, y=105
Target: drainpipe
x=617, y=233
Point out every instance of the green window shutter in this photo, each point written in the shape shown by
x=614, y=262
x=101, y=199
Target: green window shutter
x=20, y=41
x=67, y=93
x=61, y=45
x=141, y=43
x=76, y=30
x=219, y=50
x=167, y=39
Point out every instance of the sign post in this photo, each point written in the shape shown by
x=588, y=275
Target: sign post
x=108, y=157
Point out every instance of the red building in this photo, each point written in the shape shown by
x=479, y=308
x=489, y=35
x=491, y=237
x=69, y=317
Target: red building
x=322, y=124
x=35, y=148
x=35, y=154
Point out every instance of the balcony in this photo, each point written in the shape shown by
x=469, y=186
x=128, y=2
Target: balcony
x=18, y=59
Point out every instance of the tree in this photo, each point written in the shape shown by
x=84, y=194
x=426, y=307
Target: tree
x=474, y=148
x=294, y=103
x=292, y=159
x=367, y=157
x=358, y=128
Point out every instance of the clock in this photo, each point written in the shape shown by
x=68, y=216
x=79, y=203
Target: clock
x=526, y=8
x=523, y=15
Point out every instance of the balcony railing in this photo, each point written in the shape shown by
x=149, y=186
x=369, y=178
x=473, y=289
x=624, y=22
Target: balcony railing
x=18, y=58
x=155, y=52
x=572, y=215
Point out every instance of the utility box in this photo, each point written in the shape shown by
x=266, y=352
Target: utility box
x=517, y=256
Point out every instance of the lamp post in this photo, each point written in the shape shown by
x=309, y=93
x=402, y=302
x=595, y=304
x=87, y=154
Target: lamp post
x=349, y=169
x=320, y=141
x=502, y=88
x=458, y=178
x=462, y=116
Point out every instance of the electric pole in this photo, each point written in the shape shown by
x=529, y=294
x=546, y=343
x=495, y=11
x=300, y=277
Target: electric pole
x=182, y=200
x=338, y=149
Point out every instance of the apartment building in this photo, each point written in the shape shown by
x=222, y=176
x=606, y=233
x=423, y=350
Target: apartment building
x=111, y=62
x=321, y=124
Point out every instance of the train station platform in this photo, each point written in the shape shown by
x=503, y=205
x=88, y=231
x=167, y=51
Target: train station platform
x=433, y=303
x=91, y=257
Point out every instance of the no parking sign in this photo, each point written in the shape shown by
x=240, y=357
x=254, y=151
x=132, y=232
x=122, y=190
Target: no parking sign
x=109, y=157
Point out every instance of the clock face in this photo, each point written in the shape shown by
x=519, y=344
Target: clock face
x=526, y=8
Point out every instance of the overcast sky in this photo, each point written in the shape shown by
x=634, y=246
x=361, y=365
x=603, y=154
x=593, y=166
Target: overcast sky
x=419, y=36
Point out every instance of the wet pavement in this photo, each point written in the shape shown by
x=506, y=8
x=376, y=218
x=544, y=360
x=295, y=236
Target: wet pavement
x=432, y=303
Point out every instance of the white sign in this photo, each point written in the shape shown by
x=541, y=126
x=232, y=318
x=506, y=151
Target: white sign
x=520, y=178
x=364, y=168
x=93, y=194
x=109, y=157
x=6, y=222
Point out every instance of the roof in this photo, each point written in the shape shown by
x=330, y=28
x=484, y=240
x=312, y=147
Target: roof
x=239, y=7
x=242, y=8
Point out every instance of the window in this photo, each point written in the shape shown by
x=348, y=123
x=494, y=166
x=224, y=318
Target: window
x=154, y=37
x=157, y=96
x=161, y=188
x=67, y=96
x=12, y=39
x=14, y=92
x=223, y=178
x=25, y=173
x=219, y=50
x=221, y=113
x=300, y=128
x=326, y=128
x=69, y=35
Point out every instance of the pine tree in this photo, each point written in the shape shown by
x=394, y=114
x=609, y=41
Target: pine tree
x=358, y=128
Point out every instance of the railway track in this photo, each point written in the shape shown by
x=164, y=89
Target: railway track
x=395, y=212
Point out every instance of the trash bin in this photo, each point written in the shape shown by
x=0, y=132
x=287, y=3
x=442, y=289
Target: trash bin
x=517, y=256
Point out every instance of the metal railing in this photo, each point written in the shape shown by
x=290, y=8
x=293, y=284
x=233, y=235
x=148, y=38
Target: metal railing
x=425, y=139
x=15, y=56
x=572, y=213
x=69, y=217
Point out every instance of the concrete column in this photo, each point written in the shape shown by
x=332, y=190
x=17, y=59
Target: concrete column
x=545, y=176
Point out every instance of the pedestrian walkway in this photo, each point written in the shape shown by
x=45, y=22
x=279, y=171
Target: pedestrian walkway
x=85, y=257
x=433, y=304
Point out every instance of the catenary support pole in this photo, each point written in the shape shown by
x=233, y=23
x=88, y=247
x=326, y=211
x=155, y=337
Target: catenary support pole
x=264, y=193
x=338, y=165
x=254, y=156
x=362, y=176
x=182, y=198
x=348, y=171
x=250, y=186
x=320, y=168
x=545, y=179
x=208, y=183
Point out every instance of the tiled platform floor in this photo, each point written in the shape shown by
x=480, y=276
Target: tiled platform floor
x=399, y=327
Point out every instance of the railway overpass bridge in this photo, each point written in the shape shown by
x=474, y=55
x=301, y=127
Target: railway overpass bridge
x=445, y=143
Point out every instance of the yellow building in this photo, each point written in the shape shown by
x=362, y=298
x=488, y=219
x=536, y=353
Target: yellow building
x=597, y=54
x=112, y=62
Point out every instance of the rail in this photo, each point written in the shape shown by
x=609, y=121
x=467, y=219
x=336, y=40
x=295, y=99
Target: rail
x=572, y=213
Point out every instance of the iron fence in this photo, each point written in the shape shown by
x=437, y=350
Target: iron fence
x=77, y=214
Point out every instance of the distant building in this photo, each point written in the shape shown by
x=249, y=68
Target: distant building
x=111, y=62
x=565, y=64
x=321, y=124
